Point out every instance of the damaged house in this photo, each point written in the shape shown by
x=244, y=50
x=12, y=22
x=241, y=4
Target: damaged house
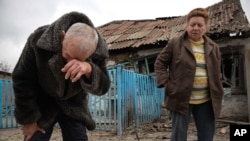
x=135, y=45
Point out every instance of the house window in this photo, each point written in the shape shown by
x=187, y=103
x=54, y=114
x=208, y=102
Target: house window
x=142, y=68
x=151, y=62
x=128, y=66
x=143, y=65
x=146, y=65
x=232, y=71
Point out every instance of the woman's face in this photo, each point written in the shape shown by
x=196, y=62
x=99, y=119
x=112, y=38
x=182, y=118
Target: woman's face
x=196, y=28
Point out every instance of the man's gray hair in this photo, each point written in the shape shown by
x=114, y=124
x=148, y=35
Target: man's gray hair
x=83, y=36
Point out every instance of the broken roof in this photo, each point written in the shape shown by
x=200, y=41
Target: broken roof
x=226, y=17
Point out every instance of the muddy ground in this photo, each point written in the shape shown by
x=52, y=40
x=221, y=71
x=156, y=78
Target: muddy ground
x=155, y=131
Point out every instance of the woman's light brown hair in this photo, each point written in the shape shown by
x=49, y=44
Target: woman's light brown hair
x=198, y=12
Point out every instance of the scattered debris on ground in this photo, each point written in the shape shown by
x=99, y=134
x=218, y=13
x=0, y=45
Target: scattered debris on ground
x=158, y=130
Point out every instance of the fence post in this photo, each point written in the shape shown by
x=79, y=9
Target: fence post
x=119, y=88
x=135, y=100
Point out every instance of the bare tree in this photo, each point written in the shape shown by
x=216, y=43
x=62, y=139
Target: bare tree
x=4, y=66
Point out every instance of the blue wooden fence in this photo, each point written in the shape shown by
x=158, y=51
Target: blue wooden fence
x=6, y=105
x=132, y=99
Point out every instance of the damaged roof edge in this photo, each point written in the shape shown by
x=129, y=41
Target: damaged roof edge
x=227, y=18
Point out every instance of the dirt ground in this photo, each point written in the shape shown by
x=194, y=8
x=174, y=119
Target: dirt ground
x=155, y=131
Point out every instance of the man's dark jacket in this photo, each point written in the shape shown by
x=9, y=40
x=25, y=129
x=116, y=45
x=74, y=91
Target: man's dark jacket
x=41, y=91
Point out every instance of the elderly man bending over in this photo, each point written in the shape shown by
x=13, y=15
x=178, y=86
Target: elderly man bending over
x=60, y=64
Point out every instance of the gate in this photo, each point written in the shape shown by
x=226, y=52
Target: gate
x=131, y=100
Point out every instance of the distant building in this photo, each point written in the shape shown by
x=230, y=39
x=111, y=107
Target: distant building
x=135, y=44
x=5, y=75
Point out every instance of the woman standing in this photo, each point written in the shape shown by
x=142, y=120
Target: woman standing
x=189, y=68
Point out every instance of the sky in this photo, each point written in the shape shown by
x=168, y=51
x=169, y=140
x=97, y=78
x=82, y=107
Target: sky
x=20, y=18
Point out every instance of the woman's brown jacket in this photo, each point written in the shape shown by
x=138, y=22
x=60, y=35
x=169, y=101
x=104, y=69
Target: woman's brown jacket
x=175, y=66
